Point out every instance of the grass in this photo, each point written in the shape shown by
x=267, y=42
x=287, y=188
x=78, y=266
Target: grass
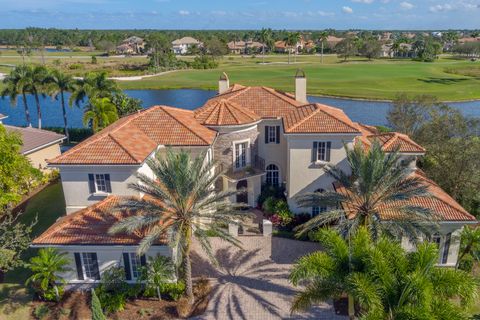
x=48, y=205
x=445, y=78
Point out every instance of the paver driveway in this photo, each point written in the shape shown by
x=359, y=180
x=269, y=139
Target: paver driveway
x=253, y=283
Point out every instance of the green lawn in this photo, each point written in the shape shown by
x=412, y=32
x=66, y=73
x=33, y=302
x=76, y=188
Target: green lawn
x=48, y=206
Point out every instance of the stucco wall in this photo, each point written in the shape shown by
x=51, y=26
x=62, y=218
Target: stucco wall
x=254, y=187
x=108, y=256
x=273, y=153
x=37, y=158
x=305, y=176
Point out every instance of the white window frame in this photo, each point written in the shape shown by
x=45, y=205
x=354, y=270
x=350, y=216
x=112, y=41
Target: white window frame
x=100, y=177
x=278, y=174
x=272, y=136
x=247, y=153
x=324, y=148
x=84, y=269
x=135, y=264
x=318, y=209
x=439, y=240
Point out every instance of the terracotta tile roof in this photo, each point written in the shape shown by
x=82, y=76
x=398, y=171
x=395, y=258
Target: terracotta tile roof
x=318, y=118
x=263, y=101
x=389, y=140
x=224, y=112
x=90, y=226
x=439, y=202
x=131, y=139
x=34, y=139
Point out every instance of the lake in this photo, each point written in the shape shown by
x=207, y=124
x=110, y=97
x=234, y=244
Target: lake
x=368, y=112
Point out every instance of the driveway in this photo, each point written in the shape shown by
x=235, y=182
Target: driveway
x=253, y=283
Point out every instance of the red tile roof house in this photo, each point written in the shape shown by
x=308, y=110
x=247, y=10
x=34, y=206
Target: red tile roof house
x=257, y=134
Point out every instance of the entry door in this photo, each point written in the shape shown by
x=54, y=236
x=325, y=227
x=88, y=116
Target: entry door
x=242, y=196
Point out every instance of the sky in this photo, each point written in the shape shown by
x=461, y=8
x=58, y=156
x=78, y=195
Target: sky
x=243, y=14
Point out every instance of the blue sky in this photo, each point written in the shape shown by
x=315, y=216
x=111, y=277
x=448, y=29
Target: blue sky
x=243, y=14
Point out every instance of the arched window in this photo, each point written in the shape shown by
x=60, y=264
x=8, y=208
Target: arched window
x=273, y=175
x=317, y=210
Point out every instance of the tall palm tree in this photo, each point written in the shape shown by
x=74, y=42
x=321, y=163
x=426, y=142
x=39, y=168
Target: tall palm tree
x=322, y=38
x=384, y=280
x=59, y=84
x=15, y=84
x=291, y=41
x=36, y=82
x=100, y=113
x=177, y=204
x=377, y=181
x=265, y=37
x=93, y=85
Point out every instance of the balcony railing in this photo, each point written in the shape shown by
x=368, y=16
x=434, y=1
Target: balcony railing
x=254, y=167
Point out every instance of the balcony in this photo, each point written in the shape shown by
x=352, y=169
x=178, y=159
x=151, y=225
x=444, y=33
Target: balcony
x=254, y=168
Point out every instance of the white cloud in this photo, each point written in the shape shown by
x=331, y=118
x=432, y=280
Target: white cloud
x=219, y=12
x=406, y=5
x=325, y=14
x=363, y=1
x=183, y=12
x=346, y=9
x=441, y=7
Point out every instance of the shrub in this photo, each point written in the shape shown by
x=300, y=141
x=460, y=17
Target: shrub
x=466, y=264
x=111, y=301
x=173, y=289
x=41, y=311
x=269, y=204
x=75, y=66
x=97, y=313
x=204, y=62
x=270, y=191
x=281, y=205
x=183, y=307
x=94, y=60
x=114, y=290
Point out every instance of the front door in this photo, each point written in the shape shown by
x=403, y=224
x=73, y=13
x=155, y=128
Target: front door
x=242, y=195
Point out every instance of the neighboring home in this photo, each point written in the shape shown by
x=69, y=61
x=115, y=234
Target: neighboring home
x=245, y=47
x=332, y=41
x=257, y=135
x=180, y=46
x=38, y=145
x=468, y=40
x=132, y=45
x=405, y=50
x=300, y=46
x=387, y=51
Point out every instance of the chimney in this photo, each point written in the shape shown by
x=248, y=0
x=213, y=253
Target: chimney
x=223, y=83
x=300, y=86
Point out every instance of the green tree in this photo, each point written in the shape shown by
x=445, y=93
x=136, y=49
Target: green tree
x=97, y=313
x=323, y=36
x=183, y=196
x=126, y=105
x=291, y=41
x=100, y=113
x=35, y=84
x=377, y=180
x=93, y=85
x=371, y=48
x=383, y=279
x=60, y=83
x=159, y=46
x=17, y=174
x=346, y=48
x=15, y=84
x=159, y=270
x=46, y=267
x=14, y=239
x=215, y=47
x=470, y=244
x=265, y=38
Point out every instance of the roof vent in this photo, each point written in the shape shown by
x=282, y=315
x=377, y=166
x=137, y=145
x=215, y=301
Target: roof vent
x=300, y=86
x=223, y=83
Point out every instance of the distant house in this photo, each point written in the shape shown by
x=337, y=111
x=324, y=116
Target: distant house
x=181, y=46
x=38, y=145
x=405, y=50
x=300, y=46
x=332, y=41
x=468, y=40
x=244, y=47
x=387, y=51
x=131, y=45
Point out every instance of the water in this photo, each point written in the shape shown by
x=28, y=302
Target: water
x=368, y=112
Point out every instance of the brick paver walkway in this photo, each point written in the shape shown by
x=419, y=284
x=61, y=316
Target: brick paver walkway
x=253, y=283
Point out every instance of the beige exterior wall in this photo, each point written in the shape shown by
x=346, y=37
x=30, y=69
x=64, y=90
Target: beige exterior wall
x=305, y=176
x=254, y=187
x=107, y=256
x=39, y=157
x=273, y=153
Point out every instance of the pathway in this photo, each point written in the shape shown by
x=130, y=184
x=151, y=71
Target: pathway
x=253, y=283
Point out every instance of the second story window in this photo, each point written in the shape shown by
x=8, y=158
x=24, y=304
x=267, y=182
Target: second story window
x=241, y=155
x=272, y=134
x=321, y=151
x=99, y=183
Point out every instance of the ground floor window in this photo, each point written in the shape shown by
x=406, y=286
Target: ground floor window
x=273, y=175
x=319, y=209
x=87, y=265
x=443, y=246
x=132, y=264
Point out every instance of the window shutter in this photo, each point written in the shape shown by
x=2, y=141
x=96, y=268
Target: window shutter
x=126, y=265
x=314, y=151
x=446, y=248
x=91, y=182
x=327, y=156
x=143, y=260
x=95, y=266
x=78, y=263
x=108, y=184
x=266, y=134
x=278, y=134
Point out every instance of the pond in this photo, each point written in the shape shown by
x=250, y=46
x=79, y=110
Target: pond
x=368, y=112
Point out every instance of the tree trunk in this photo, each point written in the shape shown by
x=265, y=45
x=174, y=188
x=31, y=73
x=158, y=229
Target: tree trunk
x=288, y=56
x=188, y=275
x=322, y=52
x=351, y=308
x=39, y=109
x=263, y=55
x=27, y=112
x=65, y=117
x=158, y=293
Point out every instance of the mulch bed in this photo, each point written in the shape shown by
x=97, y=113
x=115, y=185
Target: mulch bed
x=73, y=306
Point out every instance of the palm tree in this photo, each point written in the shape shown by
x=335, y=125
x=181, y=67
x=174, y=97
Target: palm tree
x=470, y=244
x=15, y=85
x=59, y=84
x=46, y=267
x=322, y=38
x=291, y=41
x=378, y=181
x=158, y=271
x=177, y=204
x=265, y=37
x=93, y=85
x=385, y=281
x=36, y=81
x=100, y=113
